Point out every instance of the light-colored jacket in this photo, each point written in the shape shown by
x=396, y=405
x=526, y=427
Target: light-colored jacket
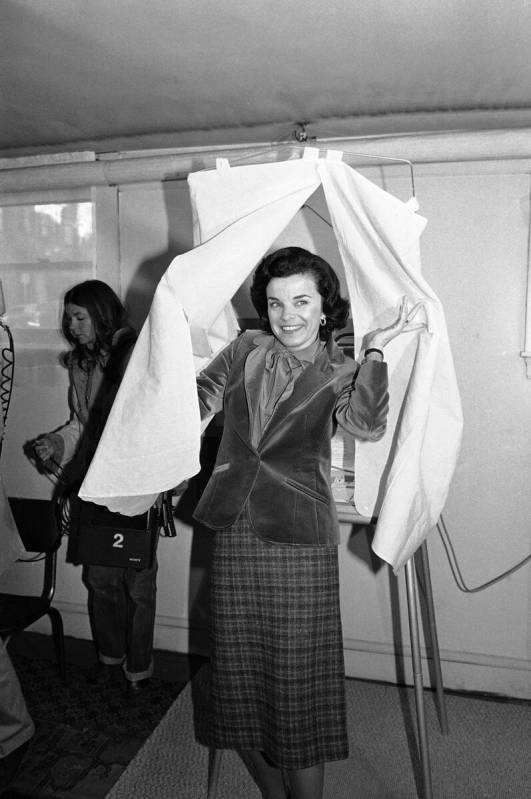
x=91, y=396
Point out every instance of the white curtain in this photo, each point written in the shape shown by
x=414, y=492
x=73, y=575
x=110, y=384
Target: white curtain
x=152, y=439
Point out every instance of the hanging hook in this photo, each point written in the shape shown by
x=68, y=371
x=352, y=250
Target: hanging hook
x=300, y=134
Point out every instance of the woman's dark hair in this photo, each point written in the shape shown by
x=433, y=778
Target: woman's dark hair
x=298, y=261
x=105, y=310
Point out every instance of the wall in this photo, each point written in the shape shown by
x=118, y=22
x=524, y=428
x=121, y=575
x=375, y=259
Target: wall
x=475, y=256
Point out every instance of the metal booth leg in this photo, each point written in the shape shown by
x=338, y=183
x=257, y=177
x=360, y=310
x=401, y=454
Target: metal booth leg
x=434, y=641
x=412, y=602
x=214, y=768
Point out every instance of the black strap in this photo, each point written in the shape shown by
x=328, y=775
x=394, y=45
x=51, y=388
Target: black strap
x=167, y=523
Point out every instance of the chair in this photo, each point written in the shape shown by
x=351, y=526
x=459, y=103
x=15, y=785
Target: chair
x=37, y=527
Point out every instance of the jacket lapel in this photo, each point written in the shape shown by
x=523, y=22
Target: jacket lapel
x=252, y=379
x=246, y=388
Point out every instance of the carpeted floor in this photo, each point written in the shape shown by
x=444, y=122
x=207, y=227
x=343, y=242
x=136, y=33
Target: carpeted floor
x=85, y=735
x=485, y=755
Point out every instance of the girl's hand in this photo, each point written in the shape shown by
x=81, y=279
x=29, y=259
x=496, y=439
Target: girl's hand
x=43, y=448
x=403, y=324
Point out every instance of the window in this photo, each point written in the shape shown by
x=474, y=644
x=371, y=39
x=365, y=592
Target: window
x=44, y=249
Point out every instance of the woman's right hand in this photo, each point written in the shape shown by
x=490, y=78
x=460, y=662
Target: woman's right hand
x=43, y=448
x=403, y=324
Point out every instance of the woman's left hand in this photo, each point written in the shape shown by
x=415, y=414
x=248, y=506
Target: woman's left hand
x=403, y=324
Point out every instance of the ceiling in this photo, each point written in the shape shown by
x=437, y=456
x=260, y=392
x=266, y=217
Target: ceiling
x=111, y=75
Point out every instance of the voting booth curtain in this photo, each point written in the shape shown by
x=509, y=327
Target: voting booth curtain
x=152, y=439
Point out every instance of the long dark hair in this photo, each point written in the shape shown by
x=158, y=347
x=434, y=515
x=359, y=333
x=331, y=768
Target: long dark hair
x=106, y=312
x=298, y=261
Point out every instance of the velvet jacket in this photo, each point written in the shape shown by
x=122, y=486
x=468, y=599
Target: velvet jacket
x=285, y=479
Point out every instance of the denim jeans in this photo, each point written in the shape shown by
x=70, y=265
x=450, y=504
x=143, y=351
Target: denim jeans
x=122, y=604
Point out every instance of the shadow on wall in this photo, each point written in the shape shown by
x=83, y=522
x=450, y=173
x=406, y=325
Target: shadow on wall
x=142, y=288
x=176, y=219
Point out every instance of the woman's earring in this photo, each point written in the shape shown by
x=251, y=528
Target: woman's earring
x=322, y=321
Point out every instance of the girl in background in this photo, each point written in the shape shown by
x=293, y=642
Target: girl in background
x=122, y=600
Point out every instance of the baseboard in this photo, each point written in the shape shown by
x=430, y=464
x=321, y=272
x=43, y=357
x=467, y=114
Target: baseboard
x=171, y=633
x=368, y=660
x=461, y=671
x=75, y=620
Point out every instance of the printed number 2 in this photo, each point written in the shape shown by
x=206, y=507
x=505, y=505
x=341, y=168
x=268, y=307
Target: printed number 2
x=118, y=541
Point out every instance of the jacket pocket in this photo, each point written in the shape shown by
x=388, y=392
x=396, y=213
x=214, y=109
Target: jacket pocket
x=221, y=468
x=306, y=490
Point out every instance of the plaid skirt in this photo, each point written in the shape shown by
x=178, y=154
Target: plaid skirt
x=277, y=667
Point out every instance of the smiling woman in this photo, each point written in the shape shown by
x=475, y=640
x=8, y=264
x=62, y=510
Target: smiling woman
x=277, y=686
x=312, y=297
x=295, y=310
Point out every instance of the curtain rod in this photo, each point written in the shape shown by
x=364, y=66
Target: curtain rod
x=299, y=147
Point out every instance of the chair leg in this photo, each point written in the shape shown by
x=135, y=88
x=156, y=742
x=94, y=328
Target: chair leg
x=58, y=640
